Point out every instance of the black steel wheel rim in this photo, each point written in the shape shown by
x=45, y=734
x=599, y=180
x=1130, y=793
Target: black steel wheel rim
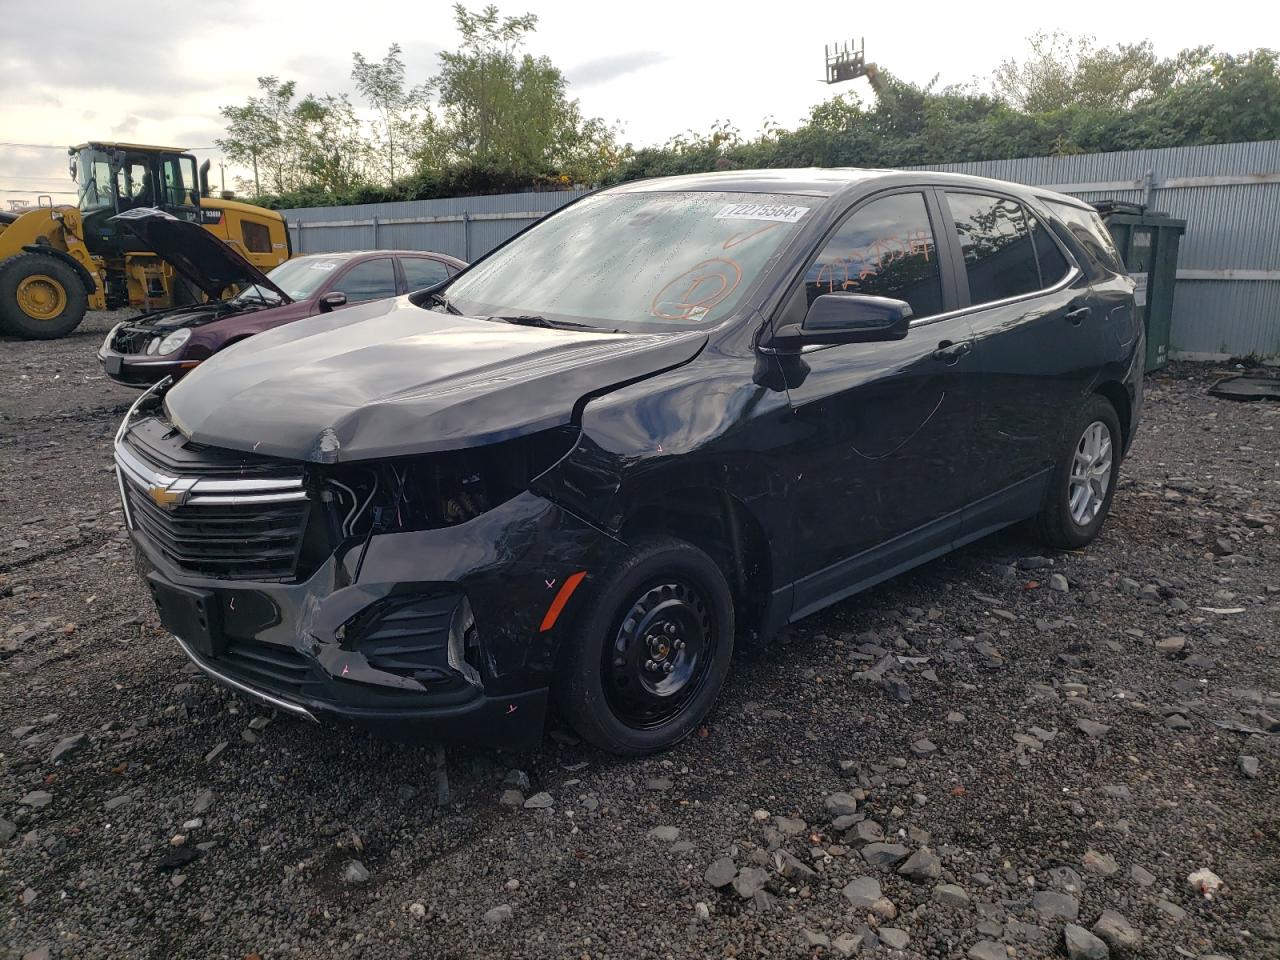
x=660, y=655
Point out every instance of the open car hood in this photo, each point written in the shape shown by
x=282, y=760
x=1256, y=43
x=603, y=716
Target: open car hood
x=211, y=264
x=389, y=378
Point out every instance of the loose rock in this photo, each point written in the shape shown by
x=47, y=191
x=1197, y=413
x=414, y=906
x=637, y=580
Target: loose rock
x=921, y=865
x=355, y=872
x=721, y=872
x=883, y=854
x=1083, y=945
x=1117, y=932
x=499, y=914
x=862, y=892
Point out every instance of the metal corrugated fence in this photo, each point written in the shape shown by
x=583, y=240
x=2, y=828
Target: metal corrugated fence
x=1227, y=300
x=463, y=227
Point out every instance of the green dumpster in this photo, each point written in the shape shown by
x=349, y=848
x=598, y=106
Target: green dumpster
x=1148, y=245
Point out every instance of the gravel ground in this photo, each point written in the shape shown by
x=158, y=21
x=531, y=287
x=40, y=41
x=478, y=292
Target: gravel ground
x=982, y=759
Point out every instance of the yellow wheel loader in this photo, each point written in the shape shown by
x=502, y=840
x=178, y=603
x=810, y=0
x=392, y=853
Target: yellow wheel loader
x=58, y=261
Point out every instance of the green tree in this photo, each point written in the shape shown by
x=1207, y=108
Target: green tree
x=315, y=143
x=1063, y=70
x=259, y=134
x=402, y=112
x=508, y=112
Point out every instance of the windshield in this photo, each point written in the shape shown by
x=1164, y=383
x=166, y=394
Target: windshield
x=93, y=181
x=298, y=278
x=640, y=262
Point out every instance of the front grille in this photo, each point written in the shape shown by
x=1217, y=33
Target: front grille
x=210, y=512
x=132, y=339
x=237, y=542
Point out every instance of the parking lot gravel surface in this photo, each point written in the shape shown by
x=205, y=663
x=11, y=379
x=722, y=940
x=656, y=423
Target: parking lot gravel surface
x=1005, y=754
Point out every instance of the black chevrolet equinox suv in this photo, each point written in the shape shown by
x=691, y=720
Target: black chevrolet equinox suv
x=669, y=413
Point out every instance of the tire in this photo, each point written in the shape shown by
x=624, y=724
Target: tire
x=615, y=688
x=41, y=298
x=1073, y=512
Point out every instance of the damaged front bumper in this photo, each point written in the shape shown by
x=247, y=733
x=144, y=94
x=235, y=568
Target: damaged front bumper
x=423, y=634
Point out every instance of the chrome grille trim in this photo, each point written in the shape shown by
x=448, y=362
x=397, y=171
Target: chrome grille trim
x=205, y=492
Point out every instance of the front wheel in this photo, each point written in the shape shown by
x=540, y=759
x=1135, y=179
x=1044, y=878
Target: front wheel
x=1084, y=479
x=41, y=298
x=651, y=650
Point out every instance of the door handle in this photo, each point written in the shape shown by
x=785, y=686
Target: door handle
x=1077, y=315
x=950, y=353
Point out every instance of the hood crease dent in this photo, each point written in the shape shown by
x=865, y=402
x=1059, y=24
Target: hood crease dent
x=392, y=379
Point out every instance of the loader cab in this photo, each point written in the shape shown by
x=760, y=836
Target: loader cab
x=114, y=177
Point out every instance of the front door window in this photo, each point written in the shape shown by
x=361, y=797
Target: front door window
x=885, y=249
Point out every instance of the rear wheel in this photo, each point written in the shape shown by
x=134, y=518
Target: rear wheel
x=41, y=298
x=651, y=651
x=1084, y=480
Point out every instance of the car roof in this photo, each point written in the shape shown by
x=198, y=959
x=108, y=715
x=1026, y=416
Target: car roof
x=829, y=182
x=810, y=181
x=351, y=254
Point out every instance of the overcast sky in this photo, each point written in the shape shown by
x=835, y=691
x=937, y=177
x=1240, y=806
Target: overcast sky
x=72, y=70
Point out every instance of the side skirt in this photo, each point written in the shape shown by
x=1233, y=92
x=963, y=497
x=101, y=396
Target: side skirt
x=938, y=537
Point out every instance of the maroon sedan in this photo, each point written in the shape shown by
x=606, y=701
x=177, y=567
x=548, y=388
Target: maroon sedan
x=147, y=348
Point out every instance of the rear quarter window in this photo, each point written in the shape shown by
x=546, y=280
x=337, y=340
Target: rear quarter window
x=1088, y=230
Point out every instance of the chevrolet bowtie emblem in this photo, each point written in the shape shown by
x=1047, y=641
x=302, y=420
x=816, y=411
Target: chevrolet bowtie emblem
x=169, y=497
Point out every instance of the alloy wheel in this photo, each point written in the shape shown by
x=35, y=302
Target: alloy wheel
x=1090, y=474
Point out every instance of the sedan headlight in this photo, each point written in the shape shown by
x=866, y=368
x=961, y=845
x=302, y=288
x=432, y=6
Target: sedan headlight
x=173, y=341
x=111, y=335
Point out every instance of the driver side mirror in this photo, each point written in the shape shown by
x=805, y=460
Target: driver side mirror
x=331, y=300
x=847, y=318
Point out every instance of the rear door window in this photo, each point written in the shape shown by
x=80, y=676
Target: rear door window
x=884, y=249
x=371, y=280
x=999, y=256
x=1053, y=265
x=422, y=272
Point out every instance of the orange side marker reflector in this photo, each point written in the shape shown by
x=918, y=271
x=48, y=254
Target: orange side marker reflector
x=557, y=605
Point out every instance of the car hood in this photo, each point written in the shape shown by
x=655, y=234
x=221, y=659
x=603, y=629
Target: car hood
x=175, y=318
x=390, y=379
x=209, y=263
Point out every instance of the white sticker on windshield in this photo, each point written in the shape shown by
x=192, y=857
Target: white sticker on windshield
x=326, y=266
x=778, y=212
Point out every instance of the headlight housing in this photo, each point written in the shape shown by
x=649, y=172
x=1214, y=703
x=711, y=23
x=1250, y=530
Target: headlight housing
x=173, y=341
x=111, y=335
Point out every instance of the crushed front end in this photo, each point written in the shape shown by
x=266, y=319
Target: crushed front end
x=420, y=596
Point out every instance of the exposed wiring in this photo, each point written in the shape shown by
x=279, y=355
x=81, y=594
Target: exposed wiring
x=355, y=502
x=367, y=501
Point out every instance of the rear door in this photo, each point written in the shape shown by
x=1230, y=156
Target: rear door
x=882, y=432
x=1033, y=321
x=422, y=272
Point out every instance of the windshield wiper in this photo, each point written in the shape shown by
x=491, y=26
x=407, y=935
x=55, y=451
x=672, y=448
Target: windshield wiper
x=444, y=301
x=534, y=320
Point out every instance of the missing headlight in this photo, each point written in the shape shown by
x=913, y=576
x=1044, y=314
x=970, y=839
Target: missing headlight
x=440, y=489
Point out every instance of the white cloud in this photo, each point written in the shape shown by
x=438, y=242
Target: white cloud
x=667, y=67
